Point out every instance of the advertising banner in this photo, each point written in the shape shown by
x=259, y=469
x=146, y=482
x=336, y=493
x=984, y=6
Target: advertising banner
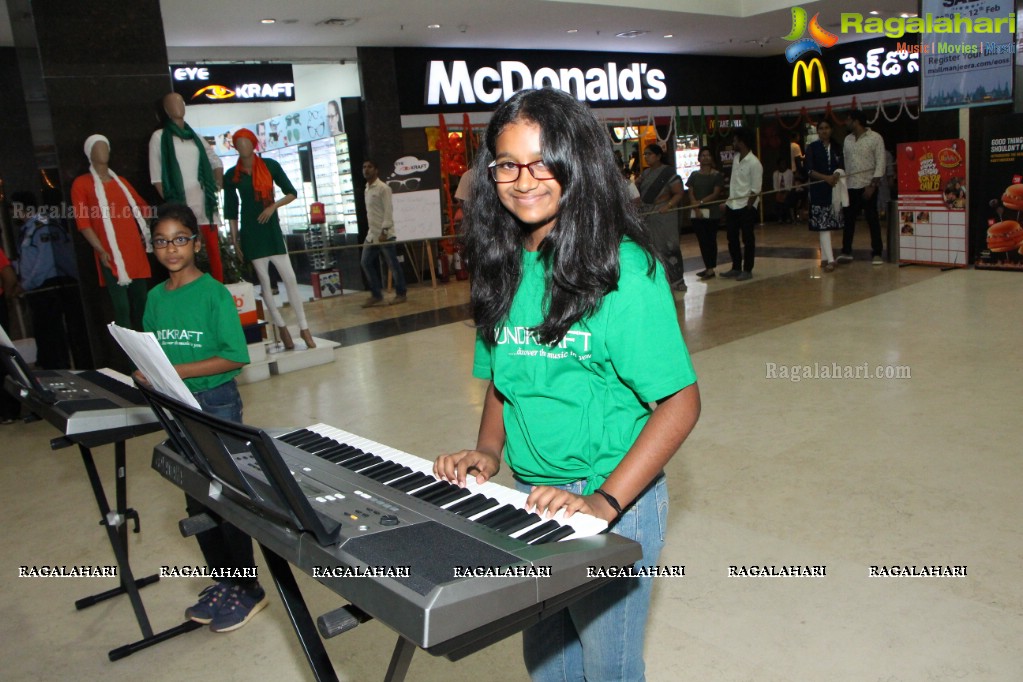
x=932, y=202
x=415, y=185
x=997, y=234
x=967, y=51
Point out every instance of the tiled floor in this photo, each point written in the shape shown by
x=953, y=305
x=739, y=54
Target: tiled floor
x=846, y=473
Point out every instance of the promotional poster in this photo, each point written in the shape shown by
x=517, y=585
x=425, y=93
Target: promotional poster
x=997, y=235
x=932, y=202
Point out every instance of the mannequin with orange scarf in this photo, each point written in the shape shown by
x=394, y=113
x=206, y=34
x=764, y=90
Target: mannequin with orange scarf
x=260, y=240
x=108, y=214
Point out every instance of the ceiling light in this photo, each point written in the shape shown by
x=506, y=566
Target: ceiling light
x=268, y=21
x=572, y=30
x=433, y=26
x=634, y=33
x=669, y=35
x=874, y=12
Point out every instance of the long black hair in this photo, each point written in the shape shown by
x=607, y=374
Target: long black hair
x=581, y=251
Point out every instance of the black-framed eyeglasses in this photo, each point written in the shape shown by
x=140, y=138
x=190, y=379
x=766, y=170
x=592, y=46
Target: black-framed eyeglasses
x=317, y=130
x=161, y=243
x=509, y=171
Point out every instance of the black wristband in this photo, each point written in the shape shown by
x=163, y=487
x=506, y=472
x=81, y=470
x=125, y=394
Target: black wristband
x=611, y=501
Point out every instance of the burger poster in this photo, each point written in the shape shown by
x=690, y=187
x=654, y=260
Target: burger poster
x=998, y=235
x=932, y=202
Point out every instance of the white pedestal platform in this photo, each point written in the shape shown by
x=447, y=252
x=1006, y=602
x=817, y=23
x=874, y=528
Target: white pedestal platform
x=266, y=358
x=284, y=361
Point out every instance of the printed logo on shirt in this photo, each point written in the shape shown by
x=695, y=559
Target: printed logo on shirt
x=576, y=344
x=180, y=337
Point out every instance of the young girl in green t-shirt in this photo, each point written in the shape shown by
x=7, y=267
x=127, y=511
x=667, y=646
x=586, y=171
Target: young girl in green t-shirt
x=591, y=390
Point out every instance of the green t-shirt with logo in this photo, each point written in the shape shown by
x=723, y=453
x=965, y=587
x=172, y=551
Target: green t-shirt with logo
x=196, y=322
x=573, y=410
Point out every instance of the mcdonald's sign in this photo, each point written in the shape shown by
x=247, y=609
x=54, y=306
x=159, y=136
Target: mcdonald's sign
x=806, y=68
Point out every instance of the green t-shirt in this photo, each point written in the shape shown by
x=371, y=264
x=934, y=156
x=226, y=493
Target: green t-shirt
x=258, y=240
x=196, y=322
x=573, y=410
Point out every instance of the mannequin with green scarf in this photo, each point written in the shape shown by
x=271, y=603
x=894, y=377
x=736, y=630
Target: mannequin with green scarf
x=184, y=169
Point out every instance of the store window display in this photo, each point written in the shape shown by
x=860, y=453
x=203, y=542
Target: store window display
x=249, y=200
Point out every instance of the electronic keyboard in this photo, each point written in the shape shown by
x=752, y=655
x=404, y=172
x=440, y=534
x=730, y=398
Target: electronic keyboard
x=450, y=569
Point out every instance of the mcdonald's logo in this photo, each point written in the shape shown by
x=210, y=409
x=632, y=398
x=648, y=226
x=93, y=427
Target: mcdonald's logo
x=807, y=70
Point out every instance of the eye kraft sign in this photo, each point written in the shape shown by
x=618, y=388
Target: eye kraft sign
x=229, y=83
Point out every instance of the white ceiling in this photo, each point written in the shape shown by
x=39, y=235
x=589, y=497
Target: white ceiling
x=710, y=27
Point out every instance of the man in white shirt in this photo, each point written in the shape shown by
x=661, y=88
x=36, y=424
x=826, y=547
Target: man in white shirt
x=185, y=170
x=380, y=217
x=741, y=208
x=863, y=151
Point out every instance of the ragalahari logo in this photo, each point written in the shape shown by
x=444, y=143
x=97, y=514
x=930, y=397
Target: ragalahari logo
x=819, y=37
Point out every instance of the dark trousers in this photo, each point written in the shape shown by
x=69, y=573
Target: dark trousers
x=224, y=546
x=869, y=207
x=57, y=318
x=707, y=236
x=741, y=222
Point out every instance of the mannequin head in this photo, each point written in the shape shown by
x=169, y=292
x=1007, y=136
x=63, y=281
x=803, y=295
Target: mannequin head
x=97, y=148
x=174, y=105
x=245, y=143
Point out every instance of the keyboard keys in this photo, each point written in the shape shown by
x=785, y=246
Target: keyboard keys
x=491, y=504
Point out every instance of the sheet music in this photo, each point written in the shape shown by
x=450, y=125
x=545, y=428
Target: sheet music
x=147, y=354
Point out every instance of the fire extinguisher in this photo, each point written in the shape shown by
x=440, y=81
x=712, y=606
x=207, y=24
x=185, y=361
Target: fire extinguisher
x=459, y=266
x=442, y=267
x=317, y=214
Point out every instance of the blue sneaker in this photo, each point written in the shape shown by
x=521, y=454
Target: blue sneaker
x=240, y=604
x=210, y=600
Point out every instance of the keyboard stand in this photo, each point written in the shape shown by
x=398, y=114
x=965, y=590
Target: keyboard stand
x=308, y=636
x=116, y=524
x=294, y=604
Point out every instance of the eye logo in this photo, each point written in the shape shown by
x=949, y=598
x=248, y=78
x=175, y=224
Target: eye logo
x=214, y=92
x=819, y=37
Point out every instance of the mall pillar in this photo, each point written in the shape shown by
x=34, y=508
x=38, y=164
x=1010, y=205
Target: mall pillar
x=93, y=68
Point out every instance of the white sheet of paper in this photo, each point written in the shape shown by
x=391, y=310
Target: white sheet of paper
x=147, y=354
x=4, y=339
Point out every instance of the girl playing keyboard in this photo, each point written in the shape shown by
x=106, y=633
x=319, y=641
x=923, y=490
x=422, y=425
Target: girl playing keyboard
x=591, y=390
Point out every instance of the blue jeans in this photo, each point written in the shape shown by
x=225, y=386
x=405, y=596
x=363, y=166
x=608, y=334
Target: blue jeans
x=370, y=254
x=222, y=401
x=600, y=637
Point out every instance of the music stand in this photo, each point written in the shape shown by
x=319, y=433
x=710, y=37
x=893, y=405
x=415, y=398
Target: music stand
x=242, y=463
x=220, y=449
x=22, y=383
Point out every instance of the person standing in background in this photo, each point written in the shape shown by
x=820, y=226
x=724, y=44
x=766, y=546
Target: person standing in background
x=49, y=278
x=184, y=169
x=109, y=215
x=10, y=408
x=744, y=189
x=706, y=186
x=380, y=216
x=823, y=160
x=863, y=151
x=660, y=190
